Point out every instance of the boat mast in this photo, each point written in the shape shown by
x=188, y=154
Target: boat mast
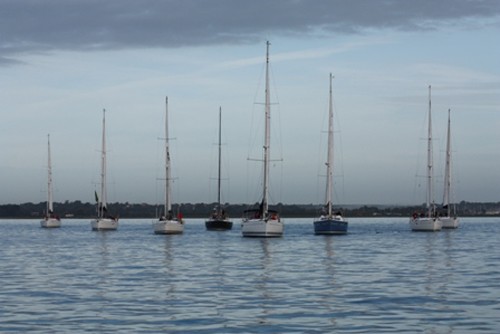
x=429, y=199
x=329, y=163
x=49, y=179
x=447, y=174
x=267, y=138
x=102, y=205
x=219, y=172
x=168, y=204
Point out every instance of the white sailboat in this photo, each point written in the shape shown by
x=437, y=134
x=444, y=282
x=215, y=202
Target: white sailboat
x=448, y=220
x=427, y=221
x=103, y=221
x=263, y=222
x=330, y=222
x=168, y=223
x=219, y=220
x=50, y=219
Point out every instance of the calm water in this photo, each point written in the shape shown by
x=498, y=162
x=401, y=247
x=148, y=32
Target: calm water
x=380, y=278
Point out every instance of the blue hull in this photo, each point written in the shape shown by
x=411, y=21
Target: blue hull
x=330, y=227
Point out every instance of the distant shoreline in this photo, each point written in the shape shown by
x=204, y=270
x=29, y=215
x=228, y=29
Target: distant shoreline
x=81, y=210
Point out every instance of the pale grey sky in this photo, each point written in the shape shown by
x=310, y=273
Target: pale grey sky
x=61, y=62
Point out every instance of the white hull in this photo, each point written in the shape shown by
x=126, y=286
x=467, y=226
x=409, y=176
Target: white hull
x=168, y=227
x=449, y=222
x=262, y=228
x=425, y=224
x=104, y=224
x=50, y=223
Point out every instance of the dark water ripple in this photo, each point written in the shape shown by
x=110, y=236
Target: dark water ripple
x=380, y=278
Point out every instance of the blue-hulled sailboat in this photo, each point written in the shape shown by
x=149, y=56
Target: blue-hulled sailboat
x=330, y=222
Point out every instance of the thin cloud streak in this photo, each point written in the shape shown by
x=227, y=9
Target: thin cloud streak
x=308, y=54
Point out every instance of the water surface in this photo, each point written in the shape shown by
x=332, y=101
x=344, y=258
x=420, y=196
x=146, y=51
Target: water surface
x=380, y=278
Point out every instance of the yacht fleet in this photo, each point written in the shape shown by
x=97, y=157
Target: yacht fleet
x=263, y=221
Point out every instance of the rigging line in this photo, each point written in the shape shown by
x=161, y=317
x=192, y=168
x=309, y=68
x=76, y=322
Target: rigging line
x=226, y=163
x=320, y=164
x=340, y=150
x=418, y=161
x=252, y=180
x=253, y=133
x=274, y=92
x=276, y=125
x=212, y=164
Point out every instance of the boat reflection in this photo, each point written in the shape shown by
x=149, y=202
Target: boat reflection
x=265, y=282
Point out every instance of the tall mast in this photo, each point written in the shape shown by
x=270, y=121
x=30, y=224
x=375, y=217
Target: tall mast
x=267, y=138
x=219, y=172
x=329, y=163
x=168, y=204
x=447, y=171
x=103, y=166
x=49, y=178
x=430, y=199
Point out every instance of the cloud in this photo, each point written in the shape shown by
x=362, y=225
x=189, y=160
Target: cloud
x=9, y=61
x=38, y=26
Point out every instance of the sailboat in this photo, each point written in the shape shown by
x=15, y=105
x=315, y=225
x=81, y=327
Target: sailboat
x=330, y=222
x=103, y=221
x=168, y=223
x=263, y=222
x=448, y=220
x=427, y=221
x=219, y=220
x=50, y=219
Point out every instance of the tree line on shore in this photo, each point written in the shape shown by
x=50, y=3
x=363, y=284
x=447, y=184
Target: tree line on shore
x=78, y=209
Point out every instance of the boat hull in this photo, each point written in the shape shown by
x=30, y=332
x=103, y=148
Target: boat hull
x=425, y=224
x=50, y=223
x=168, y=227
x=259, y=228
x=330, y=226
x=104, y=224
x=449, y=222
x=218, y=224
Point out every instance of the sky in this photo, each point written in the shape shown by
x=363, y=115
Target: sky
x=62, y=62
